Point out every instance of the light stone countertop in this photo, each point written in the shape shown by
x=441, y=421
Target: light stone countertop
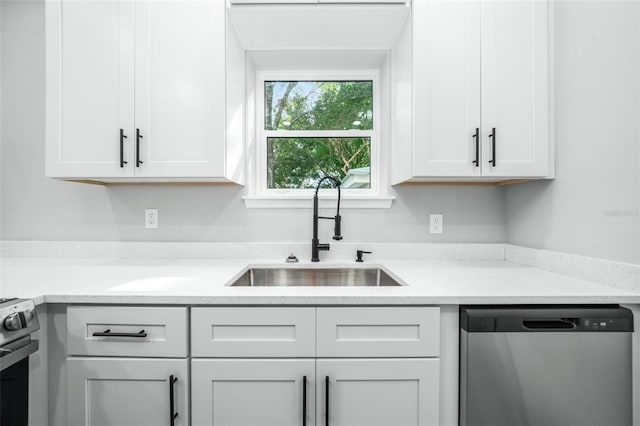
x=204, y=282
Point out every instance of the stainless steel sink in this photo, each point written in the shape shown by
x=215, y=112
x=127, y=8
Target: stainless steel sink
x=340, y=277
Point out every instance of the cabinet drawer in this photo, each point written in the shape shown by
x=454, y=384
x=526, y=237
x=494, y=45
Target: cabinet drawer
x=127, y=331
x=378, y=332
x=252, y=332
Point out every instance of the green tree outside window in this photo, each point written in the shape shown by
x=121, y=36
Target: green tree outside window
x=299, y=161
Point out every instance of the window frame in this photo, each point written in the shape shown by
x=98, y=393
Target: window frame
x=262, y=134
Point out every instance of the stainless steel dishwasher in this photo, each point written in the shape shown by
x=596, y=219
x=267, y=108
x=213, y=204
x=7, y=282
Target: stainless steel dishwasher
x=545, y=365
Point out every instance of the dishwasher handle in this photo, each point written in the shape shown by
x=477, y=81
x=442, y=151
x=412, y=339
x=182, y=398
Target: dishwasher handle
x=549, y=323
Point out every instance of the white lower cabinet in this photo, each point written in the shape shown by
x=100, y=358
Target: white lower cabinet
x=365, y=392
x=127, y=392
x=377, y=392
x=375, y=366
x=252, y=392
x=127, y=366
x=246, y=366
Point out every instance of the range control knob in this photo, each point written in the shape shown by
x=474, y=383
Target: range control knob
x=15, y=321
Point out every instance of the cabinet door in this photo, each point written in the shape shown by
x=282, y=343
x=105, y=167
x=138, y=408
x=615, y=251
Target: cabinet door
x=252, y=392
x=515, y=97
x=126, y=391
x=89, y=88
x=446, y=84
x=180, y=88
x=378, y=392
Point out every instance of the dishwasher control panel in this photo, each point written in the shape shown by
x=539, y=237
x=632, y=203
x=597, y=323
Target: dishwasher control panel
x=605, y=324
x=528, y=318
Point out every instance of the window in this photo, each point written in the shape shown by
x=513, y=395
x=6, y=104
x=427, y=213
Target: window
x=313, y=124
x=318, y=128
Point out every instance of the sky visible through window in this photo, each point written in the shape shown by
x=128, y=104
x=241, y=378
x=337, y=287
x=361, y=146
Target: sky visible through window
x=318, y=105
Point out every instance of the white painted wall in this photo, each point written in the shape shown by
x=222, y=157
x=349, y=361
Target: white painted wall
x=592, y=207
x=36, y=208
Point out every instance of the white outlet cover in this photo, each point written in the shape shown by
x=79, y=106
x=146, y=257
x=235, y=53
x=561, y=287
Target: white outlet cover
x=151, y=218
x=435, y=224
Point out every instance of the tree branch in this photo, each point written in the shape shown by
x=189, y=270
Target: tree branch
x=282, y=103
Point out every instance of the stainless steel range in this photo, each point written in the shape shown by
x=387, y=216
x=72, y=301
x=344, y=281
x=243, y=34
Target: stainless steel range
x=18, y=319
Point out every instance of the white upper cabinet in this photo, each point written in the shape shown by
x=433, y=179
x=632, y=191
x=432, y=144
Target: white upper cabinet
x=515, y=88
x=136, y=90
x=89, y=87
x=180, y=86
x=446, y=87
x=470, y=86
x=296, y=27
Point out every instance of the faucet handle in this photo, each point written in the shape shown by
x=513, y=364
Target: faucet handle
x=359, y=254
x=337, y=228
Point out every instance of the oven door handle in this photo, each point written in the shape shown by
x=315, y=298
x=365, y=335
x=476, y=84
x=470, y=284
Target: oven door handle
x=14, y=356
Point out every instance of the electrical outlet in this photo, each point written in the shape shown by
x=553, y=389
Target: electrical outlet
x=435, y=224
x=151, y=218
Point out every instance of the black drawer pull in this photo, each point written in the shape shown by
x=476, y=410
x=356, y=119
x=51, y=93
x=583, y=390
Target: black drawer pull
x=172, y=414
x=109, y=333
x=326, y=401
x=304, y=400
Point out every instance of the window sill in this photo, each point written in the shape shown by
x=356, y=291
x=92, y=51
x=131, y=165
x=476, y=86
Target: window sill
x=306, y=202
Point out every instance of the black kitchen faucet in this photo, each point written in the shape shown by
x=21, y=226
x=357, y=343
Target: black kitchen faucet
x=316, y=246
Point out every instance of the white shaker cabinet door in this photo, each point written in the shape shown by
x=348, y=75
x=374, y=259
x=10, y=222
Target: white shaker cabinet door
x=180, y=88
x=378, y=392
x=252, y=392
x=446, y=87
x=126, y=392
x=515, y=88
x=89, y=57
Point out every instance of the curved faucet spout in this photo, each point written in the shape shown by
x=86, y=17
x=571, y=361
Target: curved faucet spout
x=316, y=246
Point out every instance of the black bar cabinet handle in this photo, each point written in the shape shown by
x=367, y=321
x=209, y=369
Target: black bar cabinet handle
x=172, y=414
x=122, y=138
x=304, y=400
x=109, y=333
x=493, y=147
x=476, y=136
x=326, y=401
x=138, y=137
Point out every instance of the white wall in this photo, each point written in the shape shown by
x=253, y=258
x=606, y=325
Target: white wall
x=35, y=208
x=592, y=207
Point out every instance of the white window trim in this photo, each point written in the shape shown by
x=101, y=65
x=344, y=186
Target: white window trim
x=262, y=197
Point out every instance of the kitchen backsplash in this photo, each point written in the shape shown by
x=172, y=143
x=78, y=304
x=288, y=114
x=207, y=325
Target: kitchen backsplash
x=272, y=251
